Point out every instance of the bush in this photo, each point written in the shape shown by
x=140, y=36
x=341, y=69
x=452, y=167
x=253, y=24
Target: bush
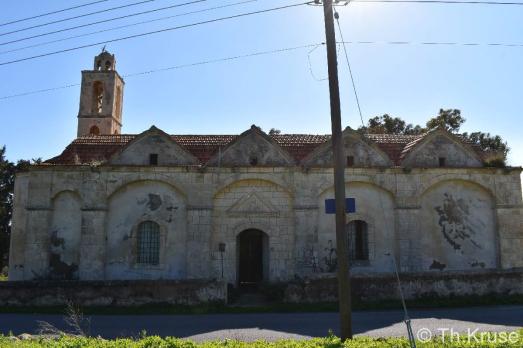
x=328, y=342
x=3, y=274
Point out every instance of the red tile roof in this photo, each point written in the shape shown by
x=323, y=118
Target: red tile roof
x=89, y=149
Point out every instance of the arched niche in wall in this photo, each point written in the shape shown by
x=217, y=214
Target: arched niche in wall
x=129, y=206
x=457, y=227
x=375, y=207
x=65, y=236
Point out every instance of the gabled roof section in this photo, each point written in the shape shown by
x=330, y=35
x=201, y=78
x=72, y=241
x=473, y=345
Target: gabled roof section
x=91, y=149
x=100, y=148
x=252, y=148
x=153, y=141
x=366, y=153
x=426, y=150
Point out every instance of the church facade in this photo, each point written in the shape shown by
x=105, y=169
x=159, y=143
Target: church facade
x=251, y=207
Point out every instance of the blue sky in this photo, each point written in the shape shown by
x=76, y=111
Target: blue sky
x=409, y=81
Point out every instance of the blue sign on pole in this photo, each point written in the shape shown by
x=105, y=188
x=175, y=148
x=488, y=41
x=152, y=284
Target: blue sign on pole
x=350, y=205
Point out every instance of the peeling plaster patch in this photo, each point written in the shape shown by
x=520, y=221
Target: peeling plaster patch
x=437, y=265
x=61, y=270
x=454, y=219
x=155, y=201
x=477, y=264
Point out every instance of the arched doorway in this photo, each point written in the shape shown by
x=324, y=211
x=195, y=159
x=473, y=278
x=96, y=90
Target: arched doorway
x=252, y=248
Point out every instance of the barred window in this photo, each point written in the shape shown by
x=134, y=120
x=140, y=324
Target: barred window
x=358, y=240
x=148, y=243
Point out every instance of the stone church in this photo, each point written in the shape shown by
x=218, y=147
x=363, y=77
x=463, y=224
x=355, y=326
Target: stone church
x=251, y=207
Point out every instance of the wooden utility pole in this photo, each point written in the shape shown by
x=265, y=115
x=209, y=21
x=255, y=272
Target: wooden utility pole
x=344, y=288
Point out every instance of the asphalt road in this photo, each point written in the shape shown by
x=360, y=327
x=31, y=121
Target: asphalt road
x=272, y=326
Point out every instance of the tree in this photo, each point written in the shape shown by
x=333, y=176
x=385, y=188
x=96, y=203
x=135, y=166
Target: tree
x=490, y=143
x=274, y=131
x=7, y=182
x=450, y=120
x=7, y=170
x=387, y=124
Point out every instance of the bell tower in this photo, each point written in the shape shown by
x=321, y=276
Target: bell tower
x=101, y=98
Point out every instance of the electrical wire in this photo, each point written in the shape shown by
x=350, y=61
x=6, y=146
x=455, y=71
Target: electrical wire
x=337, y=17
x=470, y=44
x=155, y=32
x=310, y=65
x=79, y=16
x=102, y=21
x=51, y=13
x=127, y=26
x=176, y=67
x=456, y=2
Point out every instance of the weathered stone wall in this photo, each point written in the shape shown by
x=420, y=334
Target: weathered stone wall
x=414, y=285
x=419, y=215
x=114, y=293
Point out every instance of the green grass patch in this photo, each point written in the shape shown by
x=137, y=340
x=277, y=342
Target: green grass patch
x=328, y=342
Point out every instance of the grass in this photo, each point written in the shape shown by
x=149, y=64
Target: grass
x=328, y=342
x=278, y=307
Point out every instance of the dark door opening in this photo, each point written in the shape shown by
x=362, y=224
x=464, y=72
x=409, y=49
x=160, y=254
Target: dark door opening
x=251, y=259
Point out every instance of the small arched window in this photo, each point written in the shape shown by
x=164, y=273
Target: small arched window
x=98, y=97
x=94, y=130
x=118, y=107
x=358, y=240
x=148, y=243
x=107, y=65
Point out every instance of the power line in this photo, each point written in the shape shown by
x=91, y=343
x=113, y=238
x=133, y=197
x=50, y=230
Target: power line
x=168, y=7
x=38, y=91
x=337, y=17
x=434, y=43
x=442, y=2
x=79, y=16
x=175, y=67
x=53, y=12
x=310, y=65
x=102, y=21
x=155, y=32
x=127, y=26
x=262, y=53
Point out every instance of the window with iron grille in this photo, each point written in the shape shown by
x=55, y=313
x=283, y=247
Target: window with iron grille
x=148, y=243
x=358, y=240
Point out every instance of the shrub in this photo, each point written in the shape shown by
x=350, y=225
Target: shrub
x=328, y=342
